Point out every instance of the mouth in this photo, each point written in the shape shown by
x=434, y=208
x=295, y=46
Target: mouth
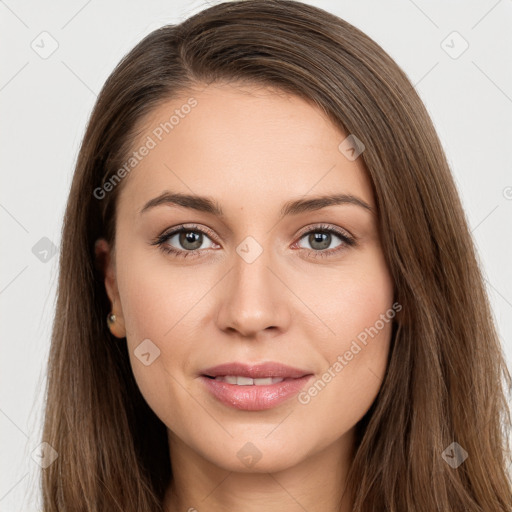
x=239, y=380
x=254, y=387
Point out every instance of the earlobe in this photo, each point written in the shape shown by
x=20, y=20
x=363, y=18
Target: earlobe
x=105, y=263
x=115, y=323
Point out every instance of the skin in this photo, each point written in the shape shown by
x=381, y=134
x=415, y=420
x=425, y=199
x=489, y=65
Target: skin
x=251, y=149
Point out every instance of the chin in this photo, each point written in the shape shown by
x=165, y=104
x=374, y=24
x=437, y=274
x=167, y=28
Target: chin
x=257, y=456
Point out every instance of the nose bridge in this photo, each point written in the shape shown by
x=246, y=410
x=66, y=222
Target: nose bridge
x=253, y=298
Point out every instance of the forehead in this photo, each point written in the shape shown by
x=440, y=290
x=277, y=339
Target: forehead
x=248, y=146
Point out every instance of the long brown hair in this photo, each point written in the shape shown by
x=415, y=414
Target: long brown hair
x=446, y=379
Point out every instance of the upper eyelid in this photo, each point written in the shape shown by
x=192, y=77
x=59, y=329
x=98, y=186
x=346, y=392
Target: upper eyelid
x=326, y=227
x=178, y=229
x=337, y=230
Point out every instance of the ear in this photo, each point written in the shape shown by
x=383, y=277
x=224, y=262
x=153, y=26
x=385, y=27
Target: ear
x=106, y=264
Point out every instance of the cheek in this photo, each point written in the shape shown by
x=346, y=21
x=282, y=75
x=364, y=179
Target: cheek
x=361, y=315
x=350, y=303
x=162, y=304
x=157, y=297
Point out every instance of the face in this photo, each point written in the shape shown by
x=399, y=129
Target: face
x=296, y=300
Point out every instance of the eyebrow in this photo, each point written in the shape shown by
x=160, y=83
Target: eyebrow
x=294, y=207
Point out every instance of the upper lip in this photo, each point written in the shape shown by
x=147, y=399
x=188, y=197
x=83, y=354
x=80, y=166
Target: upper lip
x=255, y=371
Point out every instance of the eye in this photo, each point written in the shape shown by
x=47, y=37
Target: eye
x=184, y=241
x=188, y=241
x=320, y=239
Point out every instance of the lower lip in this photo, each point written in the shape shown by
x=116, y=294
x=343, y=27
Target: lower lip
x=254, y=398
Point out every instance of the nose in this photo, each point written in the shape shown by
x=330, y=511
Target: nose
x=254, y=302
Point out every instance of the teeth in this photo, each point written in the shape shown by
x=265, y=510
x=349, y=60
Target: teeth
x=247, y=381
x=263, y=382
x=243, y=381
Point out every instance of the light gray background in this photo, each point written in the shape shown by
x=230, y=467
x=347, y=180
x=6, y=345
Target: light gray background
x=45, y=103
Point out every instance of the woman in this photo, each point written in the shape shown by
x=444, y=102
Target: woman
x=269, y=297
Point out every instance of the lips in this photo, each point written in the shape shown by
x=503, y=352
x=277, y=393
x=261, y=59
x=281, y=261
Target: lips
x=240, y=380
x=254, y=387
x=256, y=371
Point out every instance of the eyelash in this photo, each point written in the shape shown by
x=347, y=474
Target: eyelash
x=161, y=240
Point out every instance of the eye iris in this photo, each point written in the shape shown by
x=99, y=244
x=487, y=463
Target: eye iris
x=323, y=239
x=191, y=237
